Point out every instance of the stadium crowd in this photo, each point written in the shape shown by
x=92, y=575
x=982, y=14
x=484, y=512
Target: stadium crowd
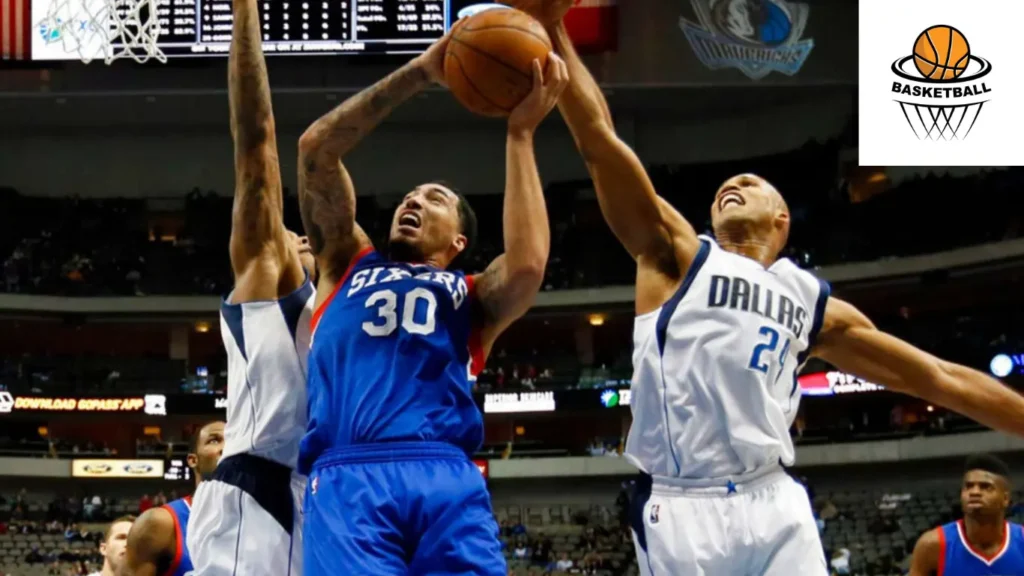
x=76, y=246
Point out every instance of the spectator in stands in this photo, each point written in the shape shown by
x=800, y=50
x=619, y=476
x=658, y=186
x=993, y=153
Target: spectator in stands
x=841, y=562
x=112, y=547
x=520, y=551
x=159, y=499
x=145, y=503
x=564, y=563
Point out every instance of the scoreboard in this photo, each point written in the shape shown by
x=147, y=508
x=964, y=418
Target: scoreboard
x=196, y=28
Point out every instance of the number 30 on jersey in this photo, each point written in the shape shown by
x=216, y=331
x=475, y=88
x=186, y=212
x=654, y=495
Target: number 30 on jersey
x=387, y=304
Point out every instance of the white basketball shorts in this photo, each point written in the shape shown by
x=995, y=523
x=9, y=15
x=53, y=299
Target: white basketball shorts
x=763, y=527
x=247, y=519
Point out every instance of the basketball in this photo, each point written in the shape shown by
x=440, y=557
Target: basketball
x=488, y=63
x=941, y=53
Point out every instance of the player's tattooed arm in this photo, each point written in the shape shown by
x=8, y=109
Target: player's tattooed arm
x=327, y=198
x=508, y=287
x=925, y=561
x=151, y=542
x=849, y=341
x=651, y=230
x=261, y=258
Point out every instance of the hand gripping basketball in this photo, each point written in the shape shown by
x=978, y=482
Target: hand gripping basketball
x=542, y=98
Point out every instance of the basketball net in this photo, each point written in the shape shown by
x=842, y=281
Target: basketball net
x=946, y=122
x=107, y=29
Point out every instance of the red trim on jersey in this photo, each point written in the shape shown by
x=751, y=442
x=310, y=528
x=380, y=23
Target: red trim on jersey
x=962, y=530
x=341, y=282
x=942, y=550
x=476, y=342
x=179, y=546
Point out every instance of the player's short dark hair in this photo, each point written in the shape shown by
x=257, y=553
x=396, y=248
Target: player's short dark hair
x=129, y=519
x=467, y=220
x=987, y=463
x=193, y=442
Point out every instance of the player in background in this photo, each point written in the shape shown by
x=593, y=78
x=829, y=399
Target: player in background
x=983, y=542
x=722, y=327
x=248, y=512
x=392, y=420
x=112, y=548
x=156, y=544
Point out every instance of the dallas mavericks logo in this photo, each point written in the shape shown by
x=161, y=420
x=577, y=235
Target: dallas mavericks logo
x=756, y=37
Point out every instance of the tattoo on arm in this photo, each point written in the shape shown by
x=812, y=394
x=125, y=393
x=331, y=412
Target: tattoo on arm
x=326, y=193
x=258, y=204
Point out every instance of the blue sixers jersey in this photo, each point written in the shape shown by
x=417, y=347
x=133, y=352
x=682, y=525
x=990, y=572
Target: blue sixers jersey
x=390, y=360
x=958, y=558
x=181, y=564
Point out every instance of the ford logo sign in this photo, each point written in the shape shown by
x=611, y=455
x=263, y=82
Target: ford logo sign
x=97, y=468
x=478, y=8
x=137, y=468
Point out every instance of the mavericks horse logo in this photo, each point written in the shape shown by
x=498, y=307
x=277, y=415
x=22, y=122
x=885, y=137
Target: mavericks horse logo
x=756, y=37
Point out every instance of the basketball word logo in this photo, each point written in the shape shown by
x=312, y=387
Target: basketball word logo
x=939, y=87
x=756, y=37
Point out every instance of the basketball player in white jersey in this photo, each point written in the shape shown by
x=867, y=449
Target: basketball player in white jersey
x=247, y=517
x=722, y=327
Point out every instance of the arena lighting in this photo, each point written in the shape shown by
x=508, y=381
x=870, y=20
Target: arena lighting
x=202, y=327
x=1001, y=365
x=596, y=319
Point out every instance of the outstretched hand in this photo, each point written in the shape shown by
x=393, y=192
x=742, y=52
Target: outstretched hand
x=542, y=98
x=547, y=12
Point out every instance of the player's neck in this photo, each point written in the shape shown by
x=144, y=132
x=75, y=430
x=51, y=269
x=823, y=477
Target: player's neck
x=107, y=570
x=984, y=533
x=751, y=248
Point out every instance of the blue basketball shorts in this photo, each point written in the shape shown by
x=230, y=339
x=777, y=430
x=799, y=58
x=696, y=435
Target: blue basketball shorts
x=401, y=508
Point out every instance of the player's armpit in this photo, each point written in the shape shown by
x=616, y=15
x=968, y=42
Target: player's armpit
x=150, y=541
x=504, y=296
x=849, y=341
x=925, y=561
x=627, y=197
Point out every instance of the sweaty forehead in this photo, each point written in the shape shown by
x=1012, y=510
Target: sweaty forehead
x=437, y=189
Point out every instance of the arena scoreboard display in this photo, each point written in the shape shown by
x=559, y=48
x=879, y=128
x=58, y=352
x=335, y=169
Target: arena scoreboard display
x=195, y=28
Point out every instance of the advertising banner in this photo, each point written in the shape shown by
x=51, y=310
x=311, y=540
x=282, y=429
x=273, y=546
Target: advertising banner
x=116, y=468
x=144, y=404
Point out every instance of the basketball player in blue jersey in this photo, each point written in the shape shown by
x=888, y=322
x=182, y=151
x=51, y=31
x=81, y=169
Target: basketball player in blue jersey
x=722, y=326
x=392, y=420
x=983, y=543
x=248, y=512
x=156, y=542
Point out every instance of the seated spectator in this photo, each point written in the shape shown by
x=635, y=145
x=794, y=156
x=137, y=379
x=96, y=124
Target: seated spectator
x=564, y=563
x=841, y=562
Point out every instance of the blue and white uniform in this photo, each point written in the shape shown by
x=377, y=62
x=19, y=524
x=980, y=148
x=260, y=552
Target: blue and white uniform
x=957, y=557
x=248, y=514
x=714, y=393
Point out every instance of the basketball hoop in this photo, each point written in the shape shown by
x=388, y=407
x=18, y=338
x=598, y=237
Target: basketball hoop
x=938, y=122
x=107, y=29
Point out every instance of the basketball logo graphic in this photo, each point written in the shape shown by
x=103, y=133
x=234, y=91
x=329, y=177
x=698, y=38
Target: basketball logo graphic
x=939, y=87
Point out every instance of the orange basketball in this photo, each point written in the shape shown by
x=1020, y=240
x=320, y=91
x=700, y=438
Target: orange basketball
x=488, y=64
x=941, y=53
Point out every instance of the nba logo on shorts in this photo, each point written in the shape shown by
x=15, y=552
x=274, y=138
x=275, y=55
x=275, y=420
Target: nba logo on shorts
x=654, y=513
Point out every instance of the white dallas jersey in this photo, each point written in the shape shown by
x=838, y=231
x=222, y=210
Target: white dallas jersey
x=714, y=369
x=267, y=343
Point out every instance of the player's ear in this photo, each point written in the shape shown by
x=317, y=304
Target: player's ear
x=103, y=548
x=192, y=460
x=459, y=244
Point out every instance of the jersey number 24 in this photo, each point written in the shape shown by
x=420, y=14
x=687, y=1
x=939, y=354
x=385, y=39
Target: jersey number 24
x=386, y=303
x=757, y=361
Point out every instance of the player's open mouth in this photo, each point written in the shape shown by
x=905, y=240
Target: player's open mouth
x=730, y=198
x=410, y=219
